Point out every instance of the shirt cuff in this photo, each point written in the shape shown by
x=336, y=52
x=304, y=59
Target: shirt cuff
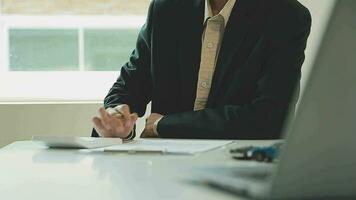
x=155, y=126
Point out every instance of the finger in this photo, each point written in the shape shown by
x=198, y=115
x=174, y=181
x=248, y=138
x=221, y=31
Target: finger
x=117, y=115
x=125, y=111
x=105, y=118
x=133, y=118
x=111, y=111
x=117, y=122
x=97, y=123
x=104, y=114
x=99, y=126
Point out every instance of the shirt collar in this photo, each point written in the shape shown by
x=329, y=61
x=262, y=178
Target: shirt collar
x=225, y=12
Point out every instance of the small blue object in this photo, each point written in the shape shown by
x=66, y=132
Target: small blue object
x=261, y=154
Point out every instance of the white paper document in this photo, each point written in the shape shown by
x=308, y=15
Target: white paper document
x=168, y=146
x=76, y=142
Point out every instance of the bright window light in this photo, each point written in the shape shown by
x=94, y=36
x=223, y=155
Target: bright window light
x=51, y=52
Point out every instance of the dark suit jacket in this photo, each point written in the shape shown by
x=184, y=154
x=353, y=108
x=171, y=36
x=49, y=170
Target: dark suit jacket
x=257, y=71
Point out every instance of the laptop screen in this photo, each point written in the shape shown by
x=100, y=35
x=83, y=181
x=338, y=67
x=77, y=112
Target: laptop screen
x=319, y=154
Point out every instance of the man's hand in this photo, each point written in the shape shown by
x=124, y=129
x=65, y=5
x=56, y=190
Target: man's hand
x=149, y=131
x=115, y=122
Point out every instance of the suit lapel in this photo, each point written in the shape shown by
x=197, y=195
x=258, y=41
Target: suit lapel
x=189, y=50
x=235, y=33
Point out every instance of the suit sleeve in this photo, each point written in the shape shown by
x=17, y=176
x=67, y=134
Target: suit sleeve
x=263, y=118
x=133, y=87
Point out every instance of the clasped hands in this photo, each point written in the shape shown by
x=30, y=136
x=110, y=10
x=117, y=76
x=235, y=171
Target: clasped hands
x=119, y=122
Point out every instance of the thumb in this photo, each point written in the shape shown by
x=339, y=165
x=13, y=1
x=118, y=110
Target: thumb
x=133, y=118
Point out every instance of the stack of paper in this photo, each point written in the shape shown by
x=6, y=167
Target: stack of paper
x=169, y=146
x=76, y=142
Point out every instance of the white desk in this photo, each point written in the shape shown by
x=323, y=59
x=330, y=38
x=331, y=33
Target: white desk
x=29, y=171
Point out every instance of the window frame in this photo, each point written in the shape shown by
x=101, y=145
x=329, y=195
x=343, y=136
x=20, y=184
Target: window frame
x=12, y=82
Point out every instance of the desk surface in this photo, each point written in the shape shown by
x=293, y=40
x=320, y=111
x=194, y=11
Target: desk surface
x=30, y=171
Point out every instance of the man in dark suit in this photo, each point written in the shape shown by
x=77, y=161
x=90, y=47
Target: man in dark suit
x=218, y=69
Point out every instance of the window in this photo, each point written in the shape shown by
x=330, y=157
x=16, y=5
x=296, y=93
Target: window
x=106, y=49
x=43, y=50
x=65, y=50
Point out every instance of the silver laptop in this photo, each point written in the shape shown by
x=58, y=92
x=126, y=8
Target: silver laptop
x=318, y=159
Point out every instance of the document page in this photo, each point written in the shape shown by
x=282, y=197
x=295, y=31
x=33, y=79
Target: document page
x=76, y=142
x=169, y=146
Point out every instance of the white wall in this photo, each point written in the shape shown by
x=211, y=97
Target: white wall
x=320, y=11
x=19, y=121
